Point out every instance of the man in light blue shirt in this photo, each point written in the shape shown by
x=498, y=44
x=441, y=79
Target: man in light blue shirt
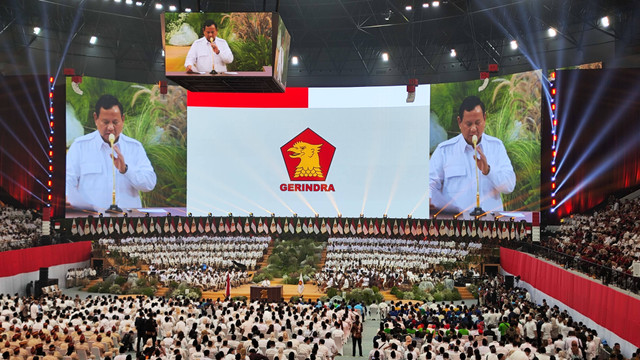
x=452, y=168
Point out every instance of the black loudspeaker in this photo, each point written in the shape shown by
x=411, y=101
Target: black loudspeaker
x=44, y=275
x=508, y=281
x=97, y=264
x=491, y=269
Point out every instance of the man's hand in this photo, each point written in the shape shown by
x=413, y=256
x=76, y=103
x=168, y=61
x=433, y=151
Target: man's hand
x=189, y=70
x=482, y=162
x=215, y=48
x=118, y=161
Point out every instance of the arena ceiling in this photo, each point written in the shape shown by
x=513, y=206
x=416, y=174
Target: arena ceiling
x=338, y=42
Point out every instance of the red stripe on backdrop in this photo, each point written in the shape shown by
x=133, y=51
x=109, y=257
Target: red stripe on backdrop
x=618, y=312
x=28, y=260
x=291, y=98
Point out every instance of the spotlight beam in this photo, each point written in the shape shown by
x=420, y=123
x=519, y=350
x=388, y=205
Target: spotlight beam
x=602, y=133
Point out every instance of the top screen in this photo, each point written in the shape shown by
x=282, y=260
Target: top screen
x=219, y=43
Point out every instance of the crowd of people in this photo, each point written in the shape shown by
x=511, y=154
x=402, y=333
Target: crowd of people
x=18, y=228
x=192, y=251
x=204, y=278
x=79, y=276
x=609, y=238
x=360, y=262
x=505, y=325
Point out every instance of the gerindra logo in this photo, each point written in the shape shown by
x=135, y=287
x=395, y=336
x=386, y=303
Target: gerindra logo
x=308, y=158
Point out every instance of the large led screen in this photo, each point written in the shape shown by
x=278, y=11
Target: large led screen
x=150, y=132
x=228, y=44
x=308, y=151
x=347, y=151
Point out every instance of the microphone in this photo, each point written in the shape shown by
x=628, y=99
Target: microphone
x=113, y=208
x=478, y=210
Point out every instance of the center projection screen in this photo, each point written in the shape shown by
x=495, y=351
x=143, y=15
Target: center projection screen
x=326, y=151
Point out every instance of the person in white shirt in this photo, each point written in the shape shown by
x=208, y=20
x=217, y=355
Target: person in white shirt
x=209, y=53
x=452, y=167
x=89, y=177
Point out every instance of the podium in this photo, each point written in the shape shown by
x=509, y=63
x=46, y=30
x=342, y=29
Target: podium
x=268, y=293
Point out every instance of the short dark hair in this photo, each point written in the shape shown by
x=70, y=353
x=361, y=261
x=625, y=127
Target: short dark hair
x=209, y=23
x=470, y=103
x=107, y=102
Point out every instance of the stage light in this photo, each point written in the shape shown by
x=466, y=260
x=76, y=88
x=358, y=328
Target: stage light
x=49, y=183
x=553, y=202
x=294, y=60
x=273, y=215
x=51, y=124
x=552, y=32
x=408, y=7
x=49, y=197
x=425, y=5
x=50, y=153
x=36, y=30
x=50, y=138
x=384, y=216
x=605, y=22
x=158, y=6
x=435, y=3
x=93, y=40
x=553, y=153
x=229, y=214
x=553, y=185
x=553, y=169
x=553, y=178
x=250, y=214
x=553, y=91
x=553, y=107
x=50, y=110
x=555, y=138
x=317, y=215
x=295, y=215
x=385, y=56
x=172, y=8
x=339, y=215
x=513, y=44
x=361, y=216
x=187, y=10
x=553, y=75
x=139, y=3
x=51, y=79
x=117, y=1
x=553, y=210
x=453, y=53
x=129, y=2
x=409, y=216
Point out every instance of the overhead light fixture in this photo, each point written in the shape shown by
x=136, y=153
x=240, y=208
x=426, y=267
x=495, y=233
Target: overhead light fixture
x=187, y=9
x=605, y=22
x=117, y=1
x=552, y=32
x=294, y=60
x=36, y=30
x=435, y=3
x=425, y=5
x=158, y=6
x=93, y=40
x=385, y=56
x=453, y=53
x=172, y=8
x=139, y=3
x=408, y=7
x=129, y=2
x=514, y=44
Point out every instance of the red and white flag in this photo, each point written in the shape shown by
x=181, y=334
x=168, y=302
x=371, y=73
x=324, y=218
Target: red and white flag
x=227, y=292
